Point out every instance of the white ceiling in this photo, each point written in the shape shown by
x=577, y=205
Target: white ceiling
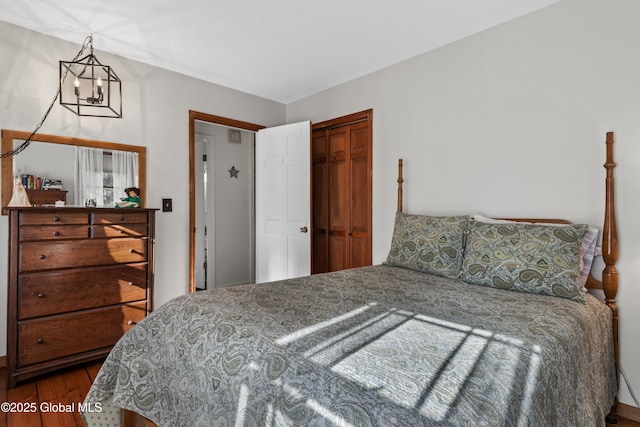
x=282, y=50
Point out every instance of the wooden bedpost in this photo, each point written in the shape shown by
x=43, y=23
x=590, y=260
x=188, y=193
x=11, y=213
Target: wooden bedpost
x=610, y=253
x=400, y=181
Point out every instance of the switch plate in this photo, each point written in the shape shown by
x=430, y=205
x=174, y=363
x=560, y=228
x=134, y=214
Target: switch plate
x=167, y=205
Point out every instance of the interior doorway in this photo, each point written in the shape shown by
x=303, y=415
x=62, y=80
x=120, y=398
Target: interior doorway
x=224, y=201
x=198, y=121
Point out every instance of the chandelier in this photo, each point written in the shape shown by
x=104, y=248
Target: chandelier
x=89, y=88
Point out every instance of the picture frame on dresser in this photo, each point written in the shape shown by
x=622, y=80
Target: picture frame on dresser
x=79, y=278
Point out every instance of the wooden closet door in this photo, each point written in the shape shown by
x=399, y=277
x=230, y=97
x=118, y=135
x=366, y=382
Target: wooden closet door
x=341, y=179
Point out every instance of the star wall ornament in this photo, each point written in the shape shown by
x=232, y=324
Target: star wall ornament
x=233, y=172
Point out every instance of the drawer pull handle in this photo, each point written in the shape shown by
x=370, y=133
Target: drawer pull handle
x=40, y=341
x=56, y=233
x=40, y=295
x=130, y=283
x=131, y=323
x=122, y=218
x=56, y=219
x=43, y=256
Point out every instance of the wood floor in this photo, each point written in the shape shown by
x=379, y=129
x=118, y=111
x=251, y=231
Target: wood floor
x=65, y=388
x=69, y=387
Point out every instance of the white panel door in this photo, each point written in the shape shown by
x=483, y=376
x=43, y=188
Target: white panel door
x=283, y=204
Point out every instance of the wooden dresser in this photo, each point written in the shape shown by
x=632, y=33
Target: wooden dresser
x=79, y=278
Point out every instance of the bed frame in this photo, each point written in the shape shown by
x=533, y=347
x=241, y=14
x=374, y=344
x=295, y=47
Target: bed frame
x=609, y=282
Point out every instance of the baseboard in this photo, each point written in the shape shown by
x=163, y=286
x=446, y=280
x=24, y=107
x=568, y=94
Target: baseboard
x=3, y=361
x=629, y=412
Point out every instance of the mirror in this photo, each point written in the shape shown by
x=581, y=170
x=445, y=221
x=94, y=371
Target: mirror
x=64, y=169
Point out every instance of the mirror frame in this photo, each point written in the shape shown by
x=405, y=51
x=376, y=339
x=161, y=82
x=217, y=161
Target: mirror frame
x=9, y=136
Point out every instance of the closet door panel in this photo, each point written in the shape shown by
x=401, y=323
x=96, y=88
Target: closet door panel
x=339, y=226
x=338, y=256
x=360, y=236
x=360, y=199
x=359, y=143
x=320, y=200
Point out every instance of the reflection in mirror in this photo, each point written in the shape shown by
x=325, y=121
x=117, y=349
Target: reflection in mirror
x=78, y=171
x=102, y=176
x=46, y=166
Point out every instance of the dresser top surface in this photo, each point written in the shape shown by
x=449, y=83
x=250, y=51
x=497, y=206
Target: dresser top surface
x=76, y=209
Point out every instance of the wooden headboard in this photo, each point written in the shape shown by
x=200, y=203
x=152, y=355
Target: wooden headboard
x=609, y=282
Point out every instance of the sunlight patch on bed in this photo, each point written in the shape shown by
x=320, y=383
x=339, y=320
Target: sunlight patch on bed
x=334, y=348
x=414, y=359
x=242, y=405
x=532, y=378
x=327, y=414
x=275, y=417
x=315, y=406
x=321, y=325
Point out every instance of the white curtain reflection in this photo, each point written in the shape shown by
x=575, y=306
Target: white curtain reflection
x=89, y=176
x=100, y=184
x=125, y=172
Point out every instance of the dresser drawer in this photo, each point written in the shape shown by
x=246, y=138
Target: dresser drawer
x=53, y=218
x=62, y=232
x=126, y=217
x=53, y=232
x=119, y=230
x=53, y=337
x=41, y=294
x=47, y=255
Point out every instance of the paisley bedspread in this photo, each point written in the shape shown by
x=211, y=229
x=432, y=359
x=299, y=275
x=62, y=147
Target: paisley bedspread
x=374, y=346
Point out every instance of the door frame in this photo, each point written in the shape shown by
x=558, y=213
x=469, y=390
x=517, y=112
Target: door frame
x=216, y=120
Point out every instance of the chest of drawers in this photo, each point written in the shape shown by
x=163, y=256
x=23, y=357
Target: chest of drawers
x=79, y=278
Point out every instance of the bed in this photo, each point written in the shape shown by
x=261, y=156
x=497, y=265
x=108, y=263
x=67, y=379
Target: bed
x=417, y=341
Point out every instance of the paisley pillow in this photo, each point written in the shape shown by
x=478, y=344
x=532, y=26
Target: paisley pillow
x=430, y=244
x=535, y=258
x=587, y=248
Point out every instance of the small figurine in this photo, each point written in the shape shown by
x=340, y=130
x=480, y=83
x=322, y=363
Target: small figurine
x=133, y=199
x=19, y=196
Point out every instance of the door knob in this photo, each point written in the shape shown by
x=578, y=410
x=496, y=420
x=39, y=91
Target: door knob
x=303, y=229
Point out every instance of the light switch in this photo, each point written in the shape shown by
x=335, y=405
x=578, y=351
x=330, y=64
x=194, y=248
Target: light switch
x=167, y=205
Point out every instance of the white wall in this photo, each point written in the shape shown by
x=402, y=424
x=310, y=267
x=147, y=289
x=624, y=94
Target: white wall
x=156, y=115
x=512, y=122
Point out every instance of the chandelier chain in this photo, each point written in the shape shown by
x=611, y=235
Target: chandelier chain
x=88, y=42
